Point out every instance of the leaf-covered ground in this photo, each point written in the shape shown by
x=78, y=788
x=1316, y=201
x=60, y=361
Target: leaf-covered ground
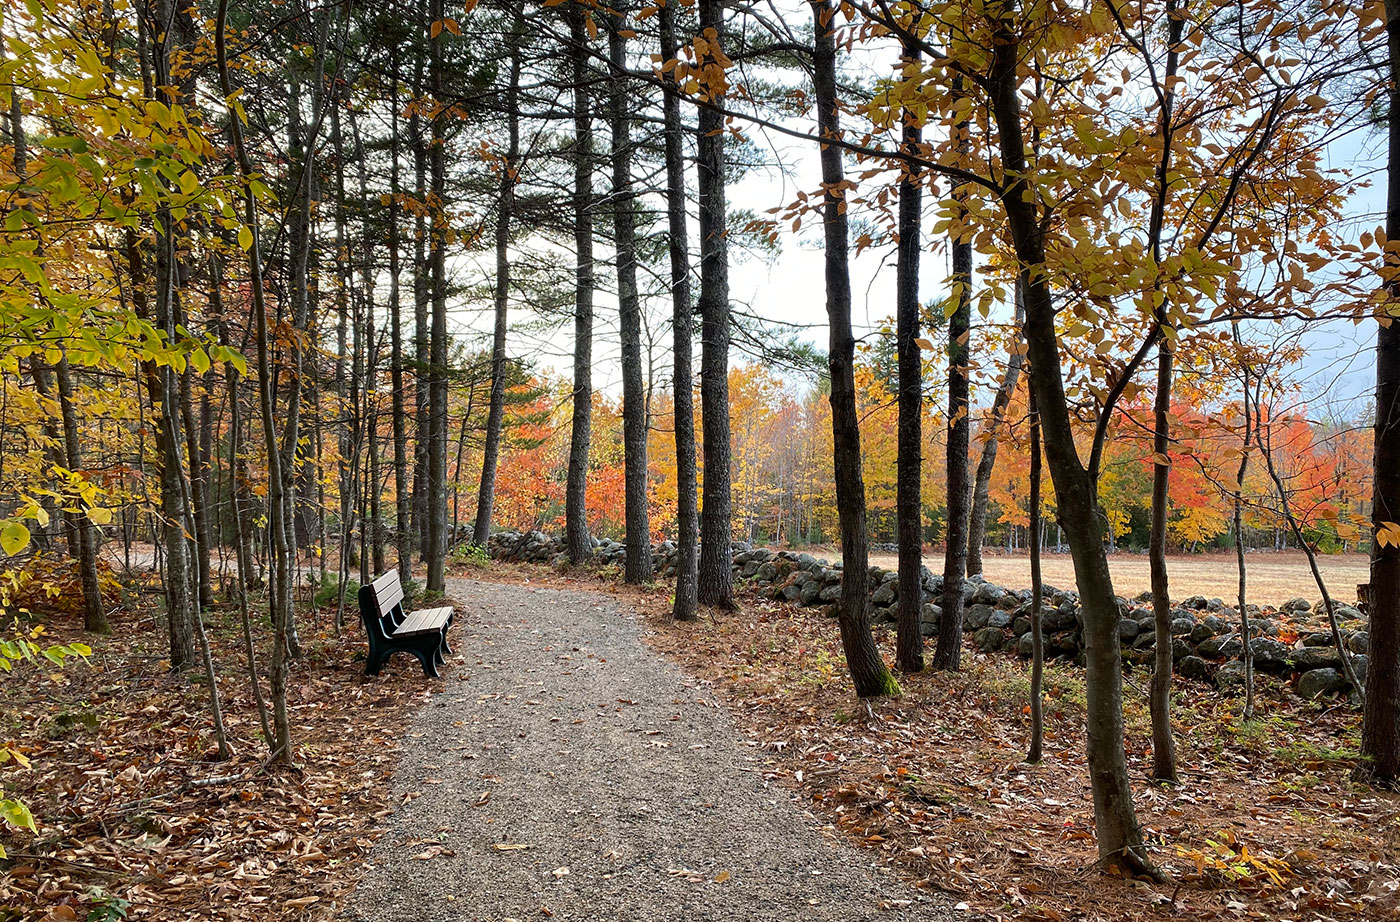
x=1264, y=825
x=137, y=818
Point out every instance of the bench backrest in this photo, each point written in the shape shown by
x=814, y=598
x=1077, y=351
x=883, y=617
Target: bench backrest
x=381, y=603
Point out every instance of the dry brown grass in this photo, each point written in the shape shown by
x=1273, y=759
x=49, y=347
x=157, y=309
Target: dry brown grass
x=1272, y=578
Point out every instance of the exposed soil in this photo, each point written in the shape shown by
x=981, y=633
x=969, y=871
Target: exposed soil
x=1272, y=579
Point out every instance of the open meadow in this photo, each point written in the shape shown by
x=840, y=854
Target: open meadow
x=1272, y=578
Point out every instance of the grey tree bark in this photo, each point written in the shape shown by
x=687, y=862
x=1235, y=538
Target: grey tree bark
x=715, y=576
x=505, y=209
x=682, y=328
x=280, y=596
x=1037, y=596
x=948, y=653
x=576, y=536
x=986, y=464
x=403, y=536
x=909, y=654
x=868, y=671
x=1120, y=841
x=637, y=566
x=94, y=614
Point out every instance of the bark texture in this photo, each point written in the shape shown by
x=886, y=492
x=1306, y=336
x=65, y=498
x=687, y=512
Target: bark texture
x=505, y=210
x=868, y=671
x=1380, y=735
x=909, y=653
x=1120, y=841
x=682, y=329
x=637, y=566
x=716, y=577
x=576, y=537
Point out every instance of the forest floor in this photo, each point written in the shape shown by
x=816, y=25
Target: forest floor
x=686, y=788
x=139, y=819
x=1273, y=577
x=1265, y=824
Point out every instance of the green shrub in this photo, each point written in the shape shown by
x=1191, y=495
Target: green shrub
x=328, y=591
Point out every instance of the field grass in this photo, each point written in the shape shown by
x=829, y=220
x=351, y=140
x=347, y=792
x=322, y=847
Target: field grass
x=1273, y=578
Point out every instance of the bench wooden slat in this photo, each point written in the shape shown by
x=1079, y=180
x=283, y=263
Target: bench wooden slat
x=428, y=619
x=388, y=591
x=416, y=623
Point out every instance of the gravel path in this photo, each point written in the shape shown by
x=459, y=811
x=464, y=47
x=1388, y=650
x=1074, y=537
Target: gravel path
x=569, y=772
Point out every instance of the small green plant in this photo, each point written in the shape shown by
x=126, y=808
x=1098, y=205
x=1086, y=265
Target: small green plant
x=472, y=555
x=103, y=907
x=328, y=591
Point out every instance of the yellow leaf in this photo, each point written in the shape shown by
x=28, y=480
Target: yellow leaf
x=245, y=238
x=14, y=537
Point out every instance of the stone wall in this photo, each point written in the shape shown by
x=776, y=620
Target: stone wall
x=1206, y=637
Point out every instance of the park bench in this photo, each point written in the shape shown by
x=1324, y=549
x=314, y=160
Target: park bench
x=390, y=629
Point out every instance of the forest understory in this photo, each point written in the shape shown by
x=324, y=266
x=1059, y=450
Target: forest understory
x=139, y=819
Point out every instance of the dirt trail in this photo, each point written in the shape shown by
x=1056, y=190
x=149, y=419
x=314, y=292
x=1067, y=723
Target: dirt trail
x=567, y=771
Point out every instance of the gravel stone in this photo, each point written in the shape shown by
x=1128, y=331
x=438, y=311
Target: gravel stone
x=603, y=758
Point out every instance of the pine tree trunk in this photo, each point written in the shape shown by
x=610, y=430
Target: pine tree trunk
x=682, y=329
x=576, y=537
x=909, y=654
x=716, y=575
x=403, y=537
x=436, y=555
x=637, y=564
x=1380, y=735
x=421, y=296
x=505, y=206
x=867, y=669
x=367, y=354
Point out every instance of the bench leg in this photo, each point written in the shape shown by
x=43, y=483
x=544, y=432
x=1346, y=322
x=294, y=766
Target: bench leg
x=428, y=662
x=445, y=648
x=374, y=662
